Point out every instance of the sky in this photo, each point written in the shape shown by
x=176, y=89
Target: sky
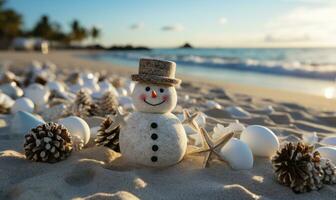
x=203, y=23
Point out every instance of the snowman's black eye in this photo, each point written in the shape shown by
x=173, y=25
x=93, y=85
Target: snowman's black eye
x=147, y=89
x=161, y=90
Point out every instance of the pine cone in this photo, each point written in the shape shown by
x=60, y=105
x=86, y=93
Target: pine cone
x=50, y=142
x=329, y=171
x=108, y=104
x=82, y=105
x=297, y=167
x=108, y=139
x=94, y=110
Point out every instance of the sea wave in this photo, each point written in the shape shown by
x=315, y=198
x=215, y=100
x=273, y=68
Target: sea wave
x=288, y=68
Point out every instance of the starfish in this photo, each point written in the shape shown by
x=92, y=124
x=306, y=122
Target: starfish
x=118, y=120
x=190, y=119
x=211, y=147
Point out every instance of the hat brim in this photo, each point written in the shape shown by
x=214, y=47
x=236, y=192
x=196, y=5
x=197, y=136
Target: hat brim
x=155, y=79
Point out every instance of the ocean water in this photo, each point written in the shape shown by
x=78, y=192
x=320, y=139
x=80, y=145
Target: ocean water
x=304, y=70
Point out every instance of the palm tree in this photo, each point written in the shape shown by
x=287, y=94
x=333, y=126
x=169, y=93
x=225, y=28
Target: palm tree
x=10, y=25
x=43, y=28
x=78, y=33
x=95, y=33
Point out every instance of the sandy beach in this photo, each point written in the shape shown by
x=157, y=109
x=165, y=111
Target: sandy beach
x=86, y=174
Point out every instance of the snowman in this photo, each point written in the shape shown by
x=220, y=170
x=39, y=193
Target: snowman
x=152, y=135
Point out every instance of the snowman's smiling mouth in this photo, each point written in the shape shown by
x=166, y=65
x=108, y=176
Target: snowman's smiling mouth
x=154, y=104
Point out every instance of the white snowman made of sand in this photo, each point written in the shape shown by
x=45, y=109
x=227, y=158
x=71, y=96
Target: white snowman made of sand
x=152, y=135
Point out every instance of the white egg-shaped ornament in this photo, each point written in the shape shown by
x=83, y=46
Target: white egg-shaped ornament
x=90, y=82
x=22, y=104
x=237, y=112
x=6, y=101
x=12, y=90
x=212, y=104
x=23, y=121
x=261, y=140
x=77, y=127
x=37, y=93
x=106, y=86
x=328, y=152
x=237, y=154
x=153, y=136
x=74, y=88
x=55, y=86
x=89, y=77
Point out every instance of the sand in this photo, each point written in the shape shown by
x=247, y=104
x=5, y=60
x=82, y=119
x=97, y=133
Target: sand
x=88, y=174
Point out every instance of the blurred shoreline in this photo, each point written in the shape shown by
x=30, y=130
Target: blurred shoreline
x=75, y=58
x=307, y=71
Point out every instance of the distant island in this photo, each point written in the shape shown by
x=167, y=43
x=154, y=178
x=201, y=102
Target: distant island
x=113, y=48
x=127, y=48
x=186, y=46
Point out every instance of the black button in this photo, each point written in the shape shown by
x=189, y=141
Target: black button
x=154, y=158
x=154, y=136
x=155, y=147
x=154, y=125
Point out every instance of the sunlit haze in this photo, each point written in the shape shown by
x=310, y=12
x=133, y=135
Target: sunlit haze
x=211, y=23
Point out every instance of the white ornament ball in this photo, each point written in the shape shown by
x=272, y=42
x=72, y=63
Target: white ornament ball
x=237, y=154
x=328, y=152
x=212, y=104
x=37, y=93
x=23, y=121
x=12, y=90
x=75, y=88
x=106, y=86
x=55, y=85
x=90, y=82
x=77, y=126
x=23, y=104
x=6, y=100
x=262, y=141
x=94, y=87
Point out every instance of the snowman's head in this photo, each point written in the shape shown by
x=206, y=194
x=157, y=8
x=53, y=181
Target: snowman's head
x=154, y=98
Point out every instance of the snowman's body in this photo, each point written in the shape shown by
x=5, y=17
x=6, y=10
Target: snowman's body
x=153, y=136
x=153, y=139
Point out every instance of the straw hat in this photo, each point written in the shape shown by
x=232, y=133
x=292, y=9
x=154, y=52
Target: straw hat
x=156, y=72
